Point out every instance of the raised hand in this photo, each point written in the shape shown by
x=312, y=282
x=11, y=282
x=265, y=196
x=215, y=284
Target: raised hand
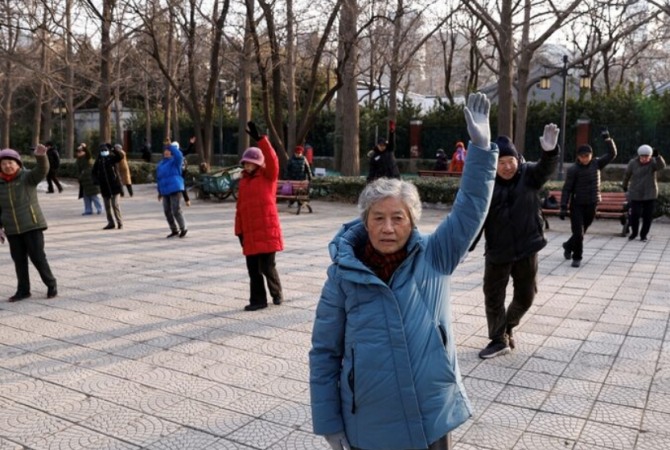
x=477, y=118
x=253, y=131
x=549, y=139
x=604, y=133
x=40, y=150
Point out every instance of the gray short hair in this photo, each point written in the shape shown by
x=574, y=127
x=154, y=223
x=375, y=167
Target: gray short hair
x=383, y=188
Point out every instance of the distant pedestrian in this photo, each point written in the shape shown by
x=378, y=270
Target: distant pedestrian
x=54, y=165
x=382, y=160
x=170, y=184
x=640, y=182
x=441, y=160
x=458, y=158
x=581, y=194
x=124, y=170
x=105, y=175
x=146, y=151
x=88, y=190
x=257, y=223
x=21, y=220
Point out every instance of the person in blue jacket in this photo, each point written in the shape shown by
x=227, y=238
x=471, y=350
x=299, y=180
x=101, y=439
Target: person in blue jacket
x=170, y=184
x=383, y=367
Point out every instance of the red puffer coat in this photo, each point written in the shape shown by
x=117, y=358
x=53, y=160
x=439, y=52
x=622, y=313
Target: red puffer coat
x=256, y=217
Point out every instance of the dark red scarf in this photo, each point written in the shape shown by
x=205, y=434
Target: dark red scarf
x=382, y=265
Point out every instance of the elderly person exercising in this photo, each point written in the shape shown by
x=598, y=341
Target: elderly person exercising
x=383, y=368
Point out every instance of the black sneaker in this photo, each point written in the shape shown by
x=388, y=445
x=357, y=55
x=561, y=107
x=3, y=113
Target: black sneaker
x=632, y=237
x=567, y=254
x=643, y=239
x=172, y=234
x=255, y=307
x=183, y=233
x=52, y=291
x=277, y=301
x=110, y=226
x=510, y=339
x=495, y=348
x=576, y=262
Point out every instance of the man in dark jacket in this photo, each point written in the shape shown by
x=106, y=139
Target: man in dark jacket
x=514, y=235
x=106, y=176
x=581, y=192
x=382, y=160
x=54, y=164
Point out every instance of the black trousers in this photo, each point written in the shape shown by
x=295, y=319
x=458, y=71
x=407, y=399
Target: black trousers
x=581, y=218
x=259, y=266
x=51, y=180
x=496, y=278
x=29, y=245
x=641, y=209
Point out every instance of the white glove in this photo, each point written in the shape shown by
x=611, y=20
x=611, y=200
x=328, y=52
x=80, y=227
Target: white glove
x=338, y=441
x=549, y=139
x=40, y=150
x=2, y=236
x=477, y=119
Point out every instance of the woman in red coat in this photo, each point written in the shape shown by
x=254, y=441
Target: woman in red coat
x=257, y=220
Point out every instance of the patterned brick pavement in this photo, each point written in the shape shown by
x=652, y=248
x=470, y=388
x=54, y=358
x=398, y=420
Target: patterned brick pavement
x=147, y=346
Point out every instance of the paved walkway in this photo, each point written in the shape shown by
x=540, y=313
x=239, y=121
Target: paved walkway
x=147, y=345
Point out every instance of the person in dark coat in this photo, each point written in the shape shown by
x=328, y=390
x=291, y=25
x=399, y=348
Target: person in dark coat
x=441, y=161
x=514, y=236
x=581, y=193
x=298, y=167
x=107, y=177
x=382, y=159
x=257, y=223
x=146, y=151
x=54, y=164
x=640, y=183
x=21, y=220
x=88, y=190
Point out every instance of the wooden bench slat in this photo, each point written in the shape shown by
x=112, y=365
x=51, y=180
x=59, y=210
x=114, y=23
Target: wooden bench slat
x=438, y=173
x=612, y=206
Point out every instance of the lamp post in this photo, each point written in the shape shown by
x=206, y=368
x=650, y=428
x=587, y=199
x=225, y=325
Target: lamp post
x=219, y=99
x=564, y=110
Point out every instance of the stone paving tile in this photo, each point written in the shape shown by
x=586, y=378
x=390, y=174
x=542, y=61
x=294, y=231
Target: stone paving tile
x=168, y=359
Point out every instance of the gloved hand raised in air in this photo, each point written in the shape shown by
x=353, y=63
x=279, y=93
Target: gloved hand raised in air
x=549, y=139
x=338, y=441
x=253, y=131
x=605, y=134
x=477, y=118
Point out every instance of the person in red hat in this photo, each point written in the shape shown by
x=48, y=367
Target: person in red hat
x=257, y=220
x=21, y=220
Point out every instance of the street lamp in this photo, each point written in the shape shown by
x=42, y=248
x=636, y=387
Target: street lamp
x=545, y=83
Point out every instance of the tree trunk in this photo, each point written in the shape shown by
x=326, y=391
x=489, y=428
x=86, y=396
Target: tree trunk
x=290, y=82
x=106, y=70
x=350, y=162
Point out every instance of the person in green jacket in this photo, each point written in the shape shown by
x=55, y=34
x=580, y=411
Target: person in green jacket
x=21, y=220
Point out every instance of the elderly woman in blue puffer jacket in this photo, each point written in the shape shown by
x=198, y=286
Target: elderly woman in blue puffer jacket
x=383, y=368
x=170, y=184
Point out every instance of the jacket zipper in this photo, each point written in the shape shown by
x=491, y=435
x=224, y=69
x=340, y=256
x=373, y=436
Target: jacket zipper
x=11, y=204
x=351, y=379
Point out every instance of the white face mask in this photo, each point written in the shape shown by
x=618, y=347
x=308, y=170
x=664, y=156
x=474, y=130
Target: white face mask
x=104, y=153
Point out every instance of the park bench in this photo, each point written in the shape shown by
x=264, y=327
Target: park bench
x=612, y=206
x=438, y=173
x=294, y=191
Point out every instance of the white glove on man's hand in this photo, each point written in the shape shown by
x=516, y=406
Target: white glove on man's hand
x=338, y=441
x=549, y=139
x=2, y=236
x=477, y=118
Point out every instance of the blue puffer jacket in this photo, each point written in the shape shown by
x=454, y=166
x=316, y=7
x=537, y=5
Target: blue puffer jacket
x=383, y=362
x=169, y=179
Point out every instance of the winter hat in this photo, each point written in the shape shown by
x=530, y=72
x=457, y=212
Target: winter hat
x=299, y=149
x=118, y=146
x=382, y=140
x=440, y=152
x=460, y=144
x=174, y=146
x=506, y=147
x=644, y=150
x=8, y=153
x=103, y=148
x=583, y=149
x=253, y=155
